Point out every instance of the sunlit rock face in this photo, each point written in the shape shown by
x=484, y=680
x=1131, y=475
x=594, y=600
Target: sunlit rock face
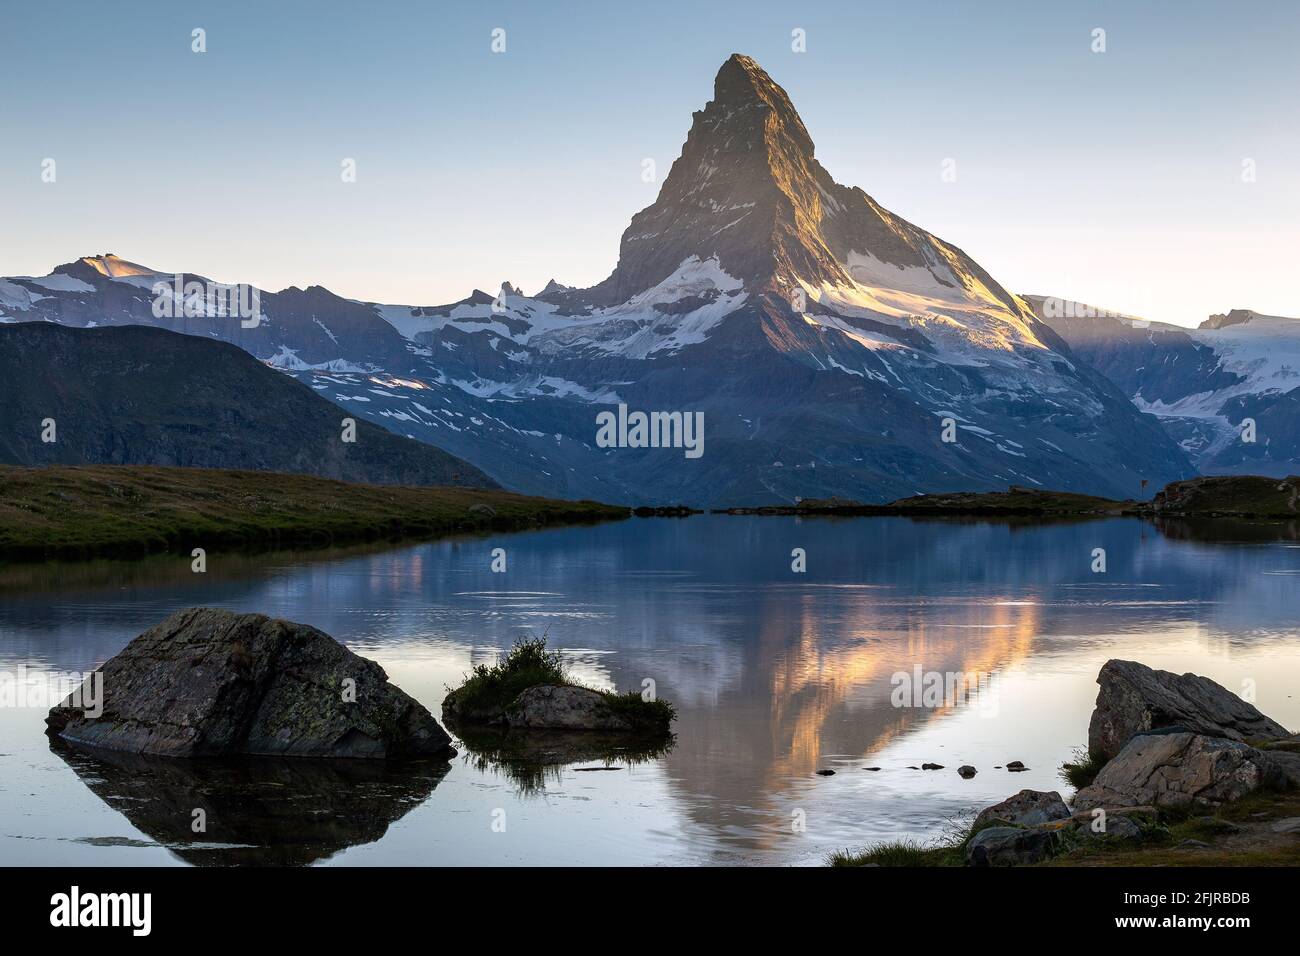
x=834, y=348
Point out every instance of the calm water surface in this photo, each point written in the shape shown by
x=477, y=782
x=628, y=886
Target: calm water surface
x=775, y=675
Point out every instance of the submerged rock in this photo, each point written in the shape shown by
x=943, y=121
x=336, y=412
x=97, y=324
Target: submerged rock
x=1026, y=808
x=1180, y=769
x=1135, y=699
x=208, y=682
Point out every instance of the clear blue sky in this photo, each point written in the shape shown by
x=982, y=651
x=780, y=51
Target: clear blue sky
x=1113, y=178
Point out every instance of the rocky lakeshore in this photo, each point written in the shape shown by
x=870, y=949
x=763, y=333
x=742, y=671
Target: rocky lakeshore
x=1178, y=772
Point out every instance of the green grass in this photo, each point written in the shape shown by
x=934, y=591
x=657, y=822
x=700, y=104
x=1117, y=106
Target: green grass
x=1240, y=495
x=907, y=853
x=949, y=849
x=1015, y=501
x=1081, y=771
x=490, y=689
x=82, y=512
x=644, y=714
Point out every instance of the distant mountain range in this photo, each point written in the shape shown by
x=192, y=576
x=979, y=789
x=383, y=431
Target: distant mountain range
x=1204, y=384
x=134, y=395
x=831, y=347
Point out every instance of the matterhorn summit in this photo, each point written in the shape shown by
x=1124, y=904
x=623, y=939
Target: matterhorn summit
x=831, y=347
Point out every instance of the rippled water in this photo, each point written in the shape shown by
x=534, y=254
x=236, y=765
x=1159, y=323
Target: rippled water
x=775, y=675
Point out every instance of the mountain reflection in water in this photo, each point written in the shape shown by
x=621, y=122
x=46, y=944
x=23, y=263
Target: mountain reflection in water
x=775, y=675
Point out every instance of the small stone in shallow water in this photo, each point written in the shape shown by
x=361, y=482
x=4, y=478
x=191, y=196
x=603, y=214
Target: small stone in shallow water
x=871, y=768
x=825, y=773
x=1016, y=766
x=931, y=766
x=966, y=771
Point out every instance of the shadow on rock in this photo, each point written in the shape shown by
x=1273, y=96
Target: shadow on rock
x=531, y=758
x=256, y=810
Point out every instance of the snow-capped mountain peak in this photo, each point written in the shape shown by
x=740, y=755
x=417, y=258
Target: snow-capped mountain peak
x=834, y=348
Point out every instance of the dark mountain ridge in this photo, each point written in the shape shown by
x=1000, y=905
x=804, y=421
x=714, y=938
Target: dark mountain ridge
x=130, y=395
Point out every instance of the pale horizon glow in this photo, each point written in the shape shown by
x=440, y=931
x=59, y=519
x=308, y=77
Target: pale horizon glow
x=1113, y=179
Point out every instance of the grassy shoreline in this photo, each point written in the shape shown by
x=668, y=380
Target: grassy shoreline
x=80, y=512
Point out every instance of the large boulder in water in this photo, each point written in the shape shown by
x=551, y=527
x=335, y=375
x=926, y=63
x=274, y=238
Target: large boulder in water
x=209, y=682
x=1179, y=770
x=1135, y=699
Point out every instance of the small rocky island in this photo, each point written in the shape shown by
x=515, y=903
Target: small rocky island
x=529, y=689
x=1178, y=771
x=212, y=683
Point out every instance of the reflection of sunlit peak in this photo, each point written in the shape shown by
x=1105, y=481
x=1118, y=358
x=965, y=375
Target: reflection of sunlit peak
x=814, y=677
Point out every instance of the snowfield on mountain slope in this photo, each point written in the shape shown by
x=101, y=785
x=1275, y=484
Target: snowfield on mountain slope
x=967, y=322
x=1265, y=352
x=634, y=329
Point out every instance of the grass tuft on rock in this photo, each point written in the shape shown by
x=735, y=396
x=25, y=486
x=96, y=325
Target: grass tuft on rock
x=645, y=715
x=491, y=689
x=1082, y=770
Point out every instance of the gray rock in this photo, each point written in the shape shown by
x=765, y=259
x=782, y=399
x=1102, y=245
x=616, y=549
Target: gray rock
x=966, y=771
x=1143, y=816
x=931, y=766
x=1135, y=699
x=1011, y=846
x=1287, y=759
x=1289, y=825
x=1026, y=808
x=209, y=682
x=1118, y=828
x=1172, y=770
x=564, y=707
